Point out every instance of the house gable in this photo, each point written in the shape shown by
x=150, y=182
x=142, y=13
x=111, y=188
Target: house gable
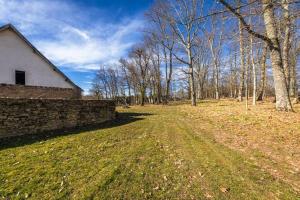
x=18, y=54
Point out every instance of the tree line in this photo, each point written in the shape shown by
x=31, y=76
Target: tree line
x=197, y=49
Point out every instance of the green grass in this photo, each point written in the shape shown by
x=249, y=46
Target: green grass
x=155, y=152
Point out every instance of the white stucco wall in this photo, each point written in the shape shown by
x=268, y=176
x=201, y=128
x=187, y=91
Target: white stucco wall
x=15, y=54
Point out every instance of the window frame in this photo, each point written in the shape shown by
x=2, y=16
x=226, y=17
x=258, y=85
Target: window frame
x=20, y=80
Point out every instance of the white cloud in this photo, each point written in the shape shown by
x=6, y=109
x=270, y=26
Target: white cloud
x=68, y=35
x=73, y=30
x=93, y=49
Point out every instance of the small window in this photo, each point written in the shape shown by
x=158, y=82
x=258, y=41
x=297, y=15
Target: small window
x=20, y=77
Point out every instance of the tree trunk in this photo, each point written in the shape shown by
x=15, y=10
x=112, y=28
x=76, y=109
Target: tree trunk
x=242, y=64
x=158, y=80
x=293, y=80
x=247, y=78
x=143, y=91
x=217, y=82
x=169, y=76
x=281, y=91
x=159, y=92
x=231, y=83
x=216, y=70
x=166, y=99
x=263, y=77
x=191, y=77
x=192, y=86
x=286, y=41
x=198, y=86
x=253, y=71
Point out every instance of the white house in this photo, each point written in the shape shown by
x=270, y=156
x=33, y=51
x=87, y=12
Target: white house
x=26, y=72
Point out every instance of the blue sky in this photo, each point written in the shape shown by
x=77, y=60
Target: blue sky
x=78, y=36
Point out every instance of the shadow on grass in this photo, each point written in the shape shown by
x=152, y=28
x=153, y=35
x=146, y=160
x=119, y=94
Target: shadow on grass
x=122, y=119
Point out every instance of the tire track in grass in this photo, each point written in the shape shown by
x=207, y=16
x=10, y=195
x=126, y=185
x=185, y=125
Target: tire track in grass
x=224, y=166
x=143, y=169
x=121, y=140
x=228, y=168
x=121, y=175
x=196, y=182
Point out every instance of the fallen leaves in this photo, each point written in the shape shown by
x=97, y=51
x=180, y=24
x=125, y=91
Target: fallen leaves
x=224, y=189
x=207, y=195
x=165, y=178
x=156, y=188
x=201, y=174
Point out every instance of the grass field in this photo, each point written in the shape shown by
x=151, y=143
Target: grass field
x=216, y=150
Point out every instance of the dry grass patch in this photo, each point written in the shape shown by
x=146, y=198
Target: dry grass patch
x=269, y=137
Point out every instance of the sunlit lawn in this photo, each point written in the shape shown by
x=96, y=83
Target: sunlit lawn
x=213, y=151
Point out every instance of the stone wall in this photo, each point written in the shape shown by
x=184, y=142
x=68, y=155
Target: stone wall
x=31, y=116
x=21, y=91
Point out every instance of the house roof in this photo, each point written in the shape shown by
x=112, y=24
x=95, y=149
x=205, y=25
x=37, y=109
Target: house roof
x=11, y=27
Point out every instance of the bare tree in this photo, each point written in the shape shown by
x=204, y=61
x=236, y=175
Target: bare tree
x=294, y=59
x=263, y=78
x=253, y=64
x=96, y=89
x=155, y=72
x=208, y=61
x=124, y=68
x=201, y=68
x=162, y=33
x=141, y=58
x=286, y=41
x=281, y=90
x=182, y=18
x=215, y=46
x=233, y=76
x=242, y=60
